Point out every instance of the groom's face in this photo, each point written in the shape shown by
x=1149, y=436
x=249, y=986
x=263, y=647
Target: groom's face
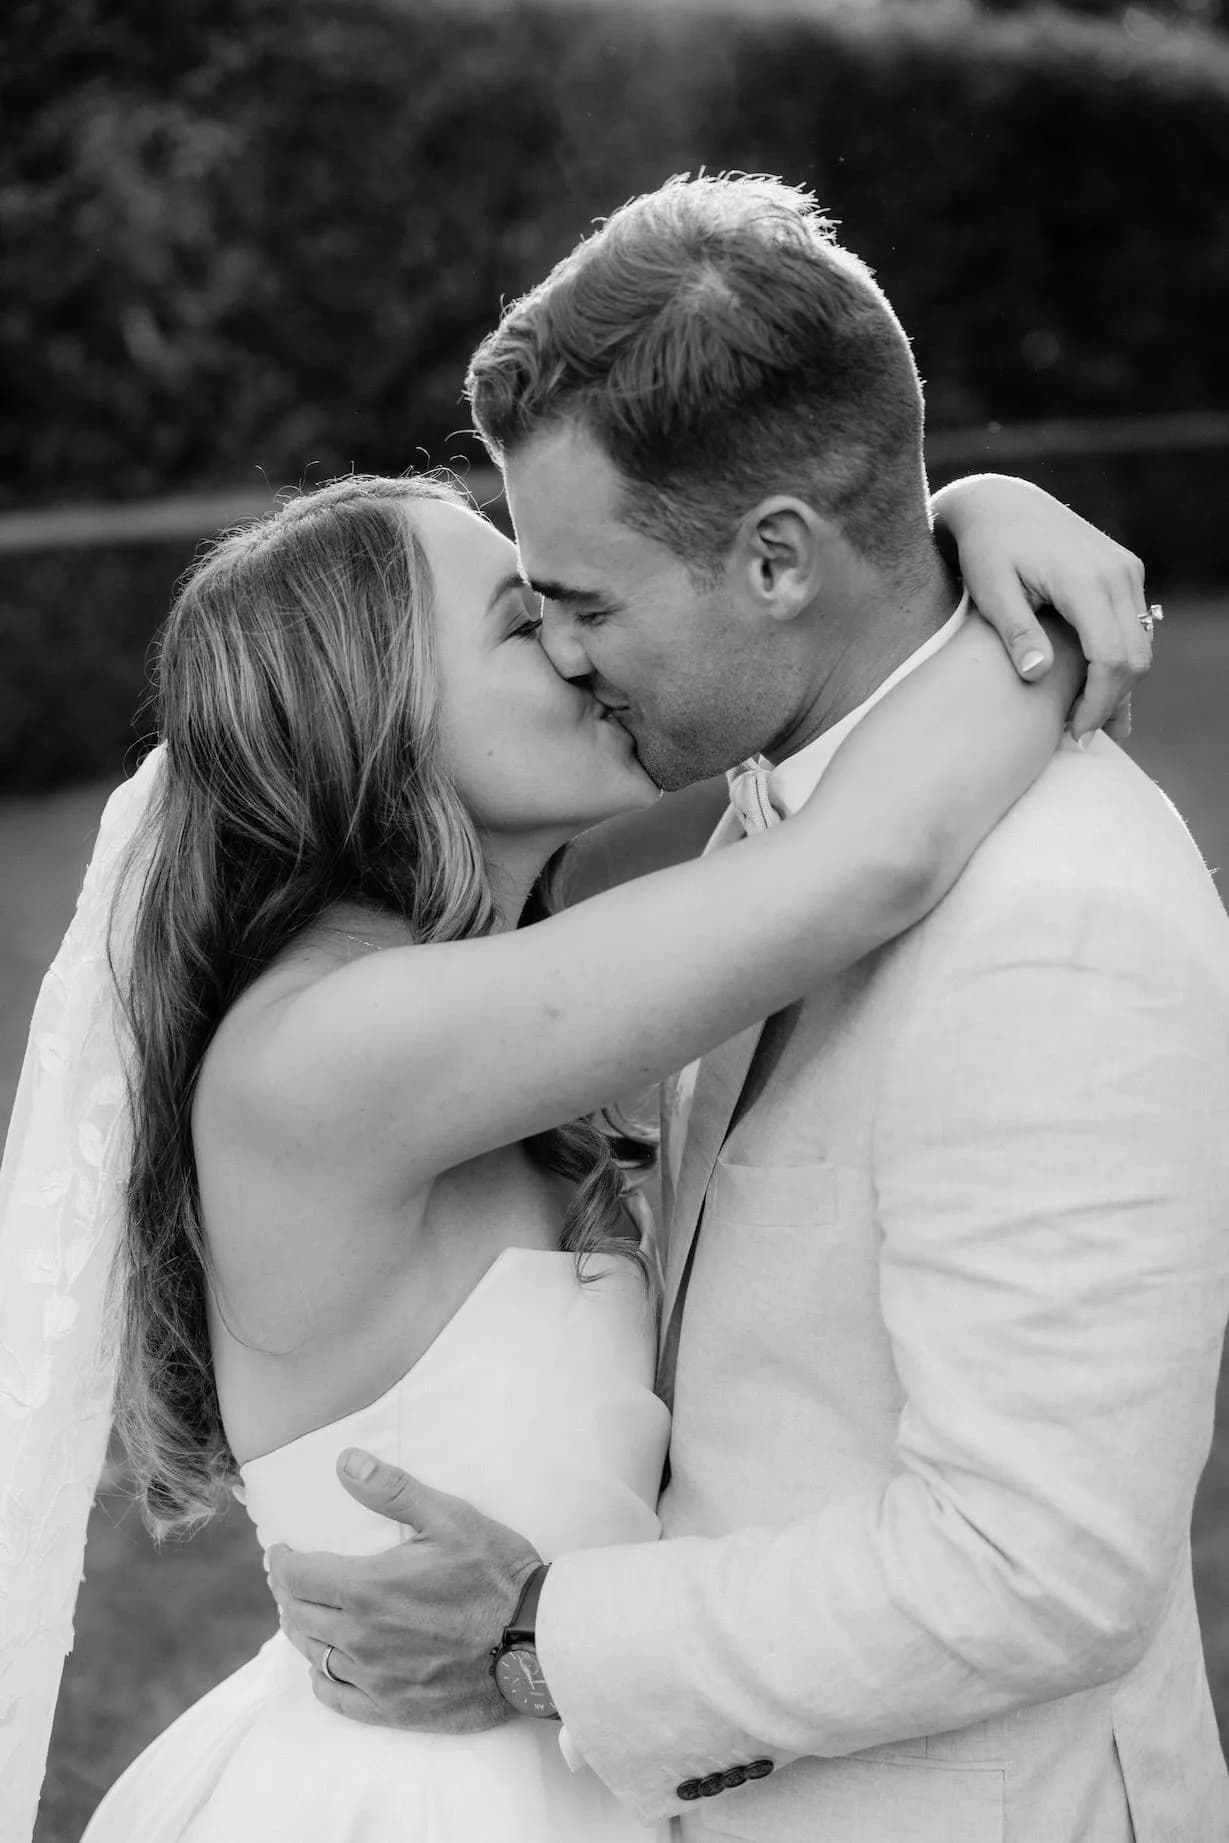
x=676, y=663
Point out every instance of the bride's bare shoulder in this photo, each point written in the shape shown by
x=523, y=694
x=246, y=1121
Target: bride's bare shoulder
x=251, y=1074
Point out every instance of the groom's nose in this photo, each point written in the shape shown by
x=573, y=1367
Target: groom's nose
x=563, y=644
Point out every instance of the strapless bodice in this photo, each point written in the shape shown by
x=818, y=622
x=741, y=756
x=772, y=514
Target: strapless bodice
x=534, y=1402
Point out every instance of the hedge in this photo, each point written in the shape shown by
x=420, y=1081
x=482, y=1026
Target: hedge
x=267, y=233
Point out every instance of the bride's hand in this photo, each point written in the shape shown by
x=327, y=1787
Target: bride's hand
x=1019, y=550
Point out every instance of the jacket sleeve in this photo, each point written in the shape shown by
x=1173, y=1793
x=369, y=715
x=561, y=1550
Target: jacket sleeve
x=1051, y=1171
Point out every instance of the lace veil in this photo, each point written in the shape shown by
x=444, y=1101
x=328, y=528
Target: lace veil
x=61, y=1208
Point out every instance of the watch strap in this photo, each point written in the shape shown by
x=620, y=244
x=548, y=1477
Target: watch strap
x=522, y=1627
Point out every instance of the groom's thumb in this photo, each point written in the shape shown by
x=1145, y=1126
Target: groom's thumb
x=388, y=1490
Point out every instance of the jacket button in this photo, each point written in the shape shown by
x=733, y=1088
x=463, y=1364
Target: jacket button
x=759, y=1769
x=710, y=1787
x=736, y=1776
x=689, y=1789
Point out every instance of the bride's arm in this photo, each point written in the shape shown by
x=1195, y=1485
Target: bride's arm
x=430, y=1055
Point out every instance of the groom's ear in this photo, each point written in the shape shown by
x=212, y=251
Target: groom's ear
x=779, y=556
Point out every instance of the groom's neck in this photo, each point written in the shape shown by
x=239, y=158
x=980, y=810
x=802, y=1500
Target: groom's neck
x=861, y=636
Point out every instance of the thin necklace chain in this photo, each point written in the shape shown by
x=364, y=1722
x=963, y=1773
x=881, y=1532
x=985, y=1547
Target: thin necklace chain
x=349, y=934
x=361, y=940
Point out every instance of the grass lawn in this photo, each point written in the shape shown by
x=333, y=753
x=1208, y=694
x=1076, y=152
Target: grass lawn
x=156, y=1630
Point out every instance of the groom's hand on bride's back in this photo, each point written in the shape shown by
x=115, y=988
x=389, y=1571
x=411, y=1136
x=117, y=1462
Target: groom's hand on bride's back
x=411, y=1629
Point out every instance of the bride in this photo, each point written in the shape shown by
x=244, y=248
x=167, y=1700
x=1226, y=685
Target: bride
x=358, y=1193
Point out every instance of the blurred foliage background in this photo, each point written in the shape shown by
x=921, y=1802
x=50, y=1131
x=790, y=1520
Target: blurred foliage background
x=280, y=228
x=256, y=240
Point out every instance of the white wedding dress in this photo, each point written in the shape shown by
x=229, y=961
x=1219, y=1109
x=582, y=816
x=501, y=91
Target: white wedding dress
x=535, y=1402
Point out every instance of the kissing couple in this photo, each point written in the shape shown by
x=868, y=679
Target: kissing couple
x=852, y=1500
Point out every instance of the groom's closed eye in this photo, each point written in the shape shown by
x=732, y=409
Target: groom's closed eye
x=582, y=605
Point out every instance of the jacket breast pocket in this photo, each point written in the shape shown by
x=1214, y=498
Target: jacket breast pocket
x=773, y=1196
x=798, y=1243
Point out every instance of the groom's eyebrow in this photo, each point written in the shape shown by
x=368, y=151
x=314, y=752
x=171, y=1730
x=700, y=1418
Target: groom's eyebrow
x=563, y=591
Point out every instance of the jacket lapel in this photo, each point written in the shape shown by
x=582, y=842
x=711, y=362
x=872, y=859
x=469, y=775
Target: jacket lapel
x=719, y=1083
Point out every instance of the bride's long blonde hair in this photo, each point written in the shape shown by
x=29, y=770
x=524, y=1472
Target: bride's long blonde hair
x=297, y=699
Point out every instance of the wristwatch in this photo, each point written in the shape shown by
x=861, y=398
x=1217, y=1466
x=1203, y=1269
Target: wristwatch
x=514, y=1660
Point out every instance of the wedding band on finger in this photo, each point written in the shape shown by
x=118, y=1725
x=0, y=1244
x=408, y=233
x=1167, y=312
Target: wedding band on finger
x=326, y=1666
x=1152, y=617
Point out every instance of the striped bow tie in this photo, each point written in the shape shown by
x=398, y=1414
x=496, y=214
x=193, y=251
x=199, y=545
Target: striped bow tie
x=751, y=796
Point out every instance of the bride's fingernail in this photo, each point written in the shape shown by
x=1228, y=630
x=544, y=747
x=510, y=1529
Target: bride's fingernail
x=1084, y=742
x=1031, y=661
x=358, y=1465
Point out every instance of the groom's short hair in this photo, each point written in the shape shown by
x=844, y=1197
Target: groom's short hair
x=719, y=345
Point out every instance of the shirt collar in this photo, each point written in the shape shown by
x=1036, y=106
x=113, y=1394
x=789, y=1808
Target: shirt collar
x=794, y=780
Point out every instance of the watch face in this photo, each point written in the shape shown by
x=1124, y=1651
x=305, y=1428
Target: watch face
x=520, y=1680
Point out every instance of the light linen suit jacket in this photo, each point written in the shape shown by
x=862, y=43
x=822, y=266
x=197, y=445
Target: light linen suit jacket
x=945, y=1376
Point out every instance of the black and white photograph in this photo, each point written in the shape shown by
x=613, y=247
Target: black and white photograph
x=614, y=968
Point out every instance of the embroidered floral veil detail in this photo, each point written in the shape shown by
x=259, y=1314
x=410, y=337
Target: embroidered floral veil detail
x=61, y=1209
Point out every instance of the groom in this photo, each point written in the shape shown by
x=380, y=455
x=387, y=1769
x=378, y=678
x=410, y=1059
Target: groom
x=948, y=1261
